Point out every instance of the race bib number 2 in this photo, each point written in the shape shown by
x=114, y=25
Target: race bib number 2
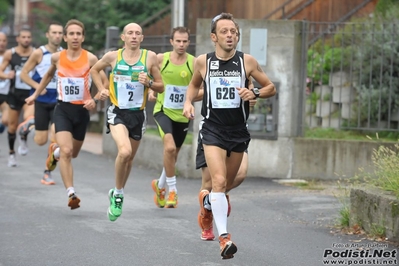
x=130, y=93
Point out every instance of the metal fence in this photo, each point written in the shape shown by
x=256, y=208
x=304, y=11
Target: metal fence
x=352, y=76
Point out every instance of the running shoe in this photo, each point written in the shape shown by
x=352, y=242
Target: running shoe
x=47, y=180
x=73, y=201
x=111, y=217
x=207, y=234
x=23, y=147
x=205, y=217
x=159, y=197
x=25, y=127
x=23, y=131
x=51, y=162
x=12, y=162
x=228, y=205
x=172, y=200
x=227, y=247
x=115, y=206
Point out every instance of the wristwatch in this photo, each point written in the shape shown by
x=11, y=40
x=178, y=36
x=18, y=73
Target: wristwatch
x=150, y=83
x=256, y=92
x=95, y=100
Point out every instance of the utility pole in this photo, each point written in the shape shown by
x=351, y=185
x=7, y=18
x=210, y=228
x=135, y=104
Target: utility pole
x=177, y=13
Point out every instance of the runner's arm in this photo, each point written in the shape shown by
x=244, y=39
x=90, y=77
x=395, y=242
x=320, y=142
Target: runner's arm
x=32, y=62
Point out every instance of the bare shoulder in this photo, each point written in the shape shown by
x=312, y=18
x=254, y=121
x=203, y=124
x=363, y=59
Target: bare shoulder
x=151, y=54
x=36, y=52
x=55, y=57
x=92, y=58
x=36, y=55
x=7, y=55
x=110, y=56
x=160, y=56
x=152, y=57
x=200, y=60
x=249, y=59
x=251, y=64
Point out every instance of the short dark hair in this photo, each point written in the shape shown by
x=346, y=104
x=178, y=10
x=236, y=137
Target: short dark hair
x=51, y=24
x=24, y=29
x=227, y=16
x=180, y=30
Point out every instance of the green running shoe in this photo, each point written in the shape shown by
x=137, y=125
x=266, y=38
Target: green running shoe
x=115, y=206
x=159, y=197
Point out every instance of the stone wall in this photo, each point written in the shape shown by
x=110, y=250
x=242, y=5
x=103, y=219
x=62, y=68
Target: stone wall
x=373, y=210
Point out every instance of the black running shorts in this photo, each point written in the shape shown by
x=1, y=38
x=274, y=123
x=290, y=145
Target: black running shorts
x=231, y=139
x=168, y=126
x=44, y=113
x=133, y=120
x=16, y=99
x=72, y=118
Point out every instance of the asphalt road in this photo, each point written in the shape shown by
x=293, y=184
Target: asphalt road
x=271, y=224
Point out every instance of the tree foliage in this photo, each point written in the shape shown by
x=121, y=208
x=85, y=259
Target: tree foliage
x=4, y=8
x=378, y=58
x=98, y=15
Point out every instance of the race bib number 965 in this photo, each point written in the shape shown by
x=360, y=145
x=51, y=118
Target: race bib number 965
x=72, y=89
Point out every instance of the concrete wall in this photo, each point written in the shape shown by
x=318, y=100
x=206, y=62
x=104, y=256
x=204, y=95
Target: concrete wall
x=288, y=156
x=296, y=157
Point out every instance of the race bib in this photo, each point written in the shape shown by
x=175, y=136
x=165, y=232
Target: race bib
x=224, y=93
x=72, y=89
x=19, y=84
x=174, y=96
x=4, y=86
x=130, y=93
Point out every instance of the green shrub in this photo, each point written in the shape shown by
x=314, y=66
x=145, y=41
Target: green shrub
x=386, y=169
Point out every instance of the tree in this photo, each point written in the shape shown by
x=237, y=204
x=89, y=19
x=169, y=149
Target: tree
x=98, y=15
x=377, y=58
x=4, y=7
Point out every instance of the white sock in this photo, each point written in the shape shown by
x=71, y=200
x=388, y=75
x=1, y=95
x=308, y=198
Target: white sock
x=171, y=181
x=162, y=179
x=70, y=191
x=118, y=191
x=219, y=211
x=56, y=153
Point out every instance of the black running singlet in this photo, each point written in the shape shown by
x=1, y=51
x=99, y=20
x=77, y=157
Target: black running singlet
x=221, y=103
x=16, y=63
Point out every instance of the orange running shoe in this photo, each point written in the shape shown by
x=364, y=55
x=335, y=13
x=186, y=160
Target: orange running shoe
x=73, y=201
x=51, y=162
x=205, y=217
x=207, y=234
x=172, y=200
x=227, y=247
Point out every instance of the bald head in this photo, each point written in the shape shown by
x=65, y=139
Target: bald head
x=3, y=42
x=132, y=27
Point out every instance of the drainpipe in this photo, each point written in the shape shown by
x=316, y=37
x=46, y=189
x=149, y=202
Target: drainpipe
x=177, y=13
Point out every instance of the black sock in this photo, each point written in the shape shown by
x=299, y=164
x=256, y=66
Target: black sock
x=11, y=140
